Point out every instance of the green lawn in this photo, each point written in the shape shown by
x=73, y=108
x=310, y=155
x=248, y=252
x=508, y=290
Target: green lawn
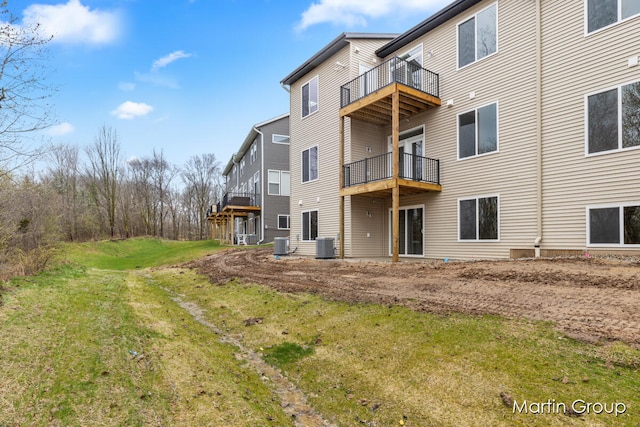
x=101, y=340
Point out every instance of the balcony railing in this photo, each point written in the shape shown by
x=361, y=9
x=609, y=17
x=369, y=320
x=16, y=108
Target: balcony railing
x=394, y=70
x=410, y=167
x=238, y=199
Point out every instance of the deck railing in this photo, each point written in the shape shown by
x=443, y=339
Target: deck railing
x=377, y=168
x=238, y=199
x=394, y=70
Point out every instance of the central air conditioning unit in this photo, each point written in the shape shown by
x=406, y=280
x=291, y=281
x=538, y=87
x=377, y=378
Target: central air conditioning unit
x=324, y=248
x=281, y=246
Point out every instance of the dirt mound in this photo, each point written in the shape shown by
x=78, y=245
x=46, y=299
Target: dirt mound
x=590, y=299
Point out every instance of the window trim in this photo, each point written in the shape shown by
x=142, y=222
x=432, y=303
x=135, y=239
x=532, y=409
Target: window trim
x=586, y=122
x=288, y=221
x=317, y=79
x=269, y=182
x=477, y=239
x=302, y=224
x=302, y=181
x=273, y=136
x=253, y=153
x=475, y=16
x=280, y=173
x=618, y=21
x=497, y=150
x=620, y=207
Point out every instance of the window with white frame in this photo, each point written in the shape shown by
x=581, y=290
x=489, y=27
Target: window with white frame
x=280, y=139
x=279, y=183
x=478, y=219
x=253, y=152
x=478, y=36
x=613, y=119
x=284, y=222
x=310, y=97
x=602, y=13
x=256, y=183
x=309, y=225
x=242, y=165
x=310, y=164
x=614, y=225
x=478, y=131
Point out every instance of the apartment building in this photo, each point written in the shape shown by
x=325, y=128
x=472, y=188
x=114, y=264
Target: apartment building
x=492, y=129
x=255, y=206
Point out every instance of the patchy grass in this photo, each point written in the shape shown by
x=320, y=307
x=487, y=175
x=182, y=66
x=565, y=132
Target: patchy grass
x=88, y=343
x=95, y=347
x=286, y=353
x=382, y=364
x=137, y=253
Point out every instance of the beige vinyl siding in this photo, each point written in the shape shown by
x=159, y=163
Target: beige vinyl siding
x=322, y=129
x=508, y=78
x=573, y=68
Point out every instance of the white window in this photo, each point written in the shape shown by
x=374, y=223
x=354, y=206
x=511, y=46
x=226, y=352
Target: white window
x=309, y=225
x=242, y=165
x=478, y=36
x=253, y=156
x=613, y=225
x=613, y=119
x=479, y=219
x=478, y=131
x=310, y=164
x=310, y=97
x=283, y=222
x=256, y=183
x=280, y=139
x=602, y=13
x=279, y=183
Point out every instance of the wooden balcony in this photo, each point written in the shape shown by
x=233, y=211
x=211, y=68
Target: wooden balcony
x=373, y=176
x=221, y=217
x=369, y=96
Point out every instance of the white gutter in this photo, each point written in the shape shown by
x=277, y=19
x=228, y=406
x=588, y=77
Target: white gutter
x=261, y=184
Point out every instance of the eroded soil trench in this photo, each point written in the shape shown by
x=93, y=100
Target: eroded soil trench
x=587, y=298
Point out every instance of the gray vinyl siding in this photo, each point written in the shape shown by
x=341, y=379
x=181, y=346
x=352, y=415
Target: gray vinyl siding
x=578, y=66
x=276, y=157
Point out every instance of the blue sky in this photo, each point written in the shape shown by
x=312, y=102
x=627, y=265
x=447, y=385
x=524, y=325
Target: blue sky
x=189, y=76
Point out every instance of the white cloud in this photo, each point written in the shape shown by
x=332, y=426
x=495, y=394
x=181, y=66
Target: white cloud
x=168, y=59
x=126, y=86
x=353, y=13
x=60, y=129
x=130, y=110
x=74, y=23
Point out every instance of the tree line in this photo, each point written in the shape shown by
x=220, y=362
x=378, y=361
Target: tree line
x=95, y=193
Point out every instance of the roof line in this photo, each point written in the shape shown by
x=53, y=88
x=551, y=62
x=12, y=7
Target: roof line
x=425, y=26
x=329, y=50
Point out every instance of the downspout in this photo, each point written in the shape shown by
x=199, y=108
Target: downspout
x=261, y=184
x=536, y=243
x=283, y=86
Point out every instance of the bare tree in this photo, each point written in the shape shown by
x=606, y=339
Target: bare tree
x=63, y=173
x=200, y=175
x=23, y=88
x=104, y=170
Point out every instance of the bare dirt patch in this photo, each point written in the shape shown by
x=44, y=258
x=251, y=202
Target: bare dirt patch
x=587, y=298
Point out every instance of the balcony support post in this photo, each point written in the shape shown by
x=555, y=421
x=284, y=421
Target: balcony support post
x=341, y=156
x=395, y=192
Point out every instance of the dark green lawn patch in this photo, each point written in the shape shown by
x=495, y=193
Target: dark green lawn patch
x=286, y=353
